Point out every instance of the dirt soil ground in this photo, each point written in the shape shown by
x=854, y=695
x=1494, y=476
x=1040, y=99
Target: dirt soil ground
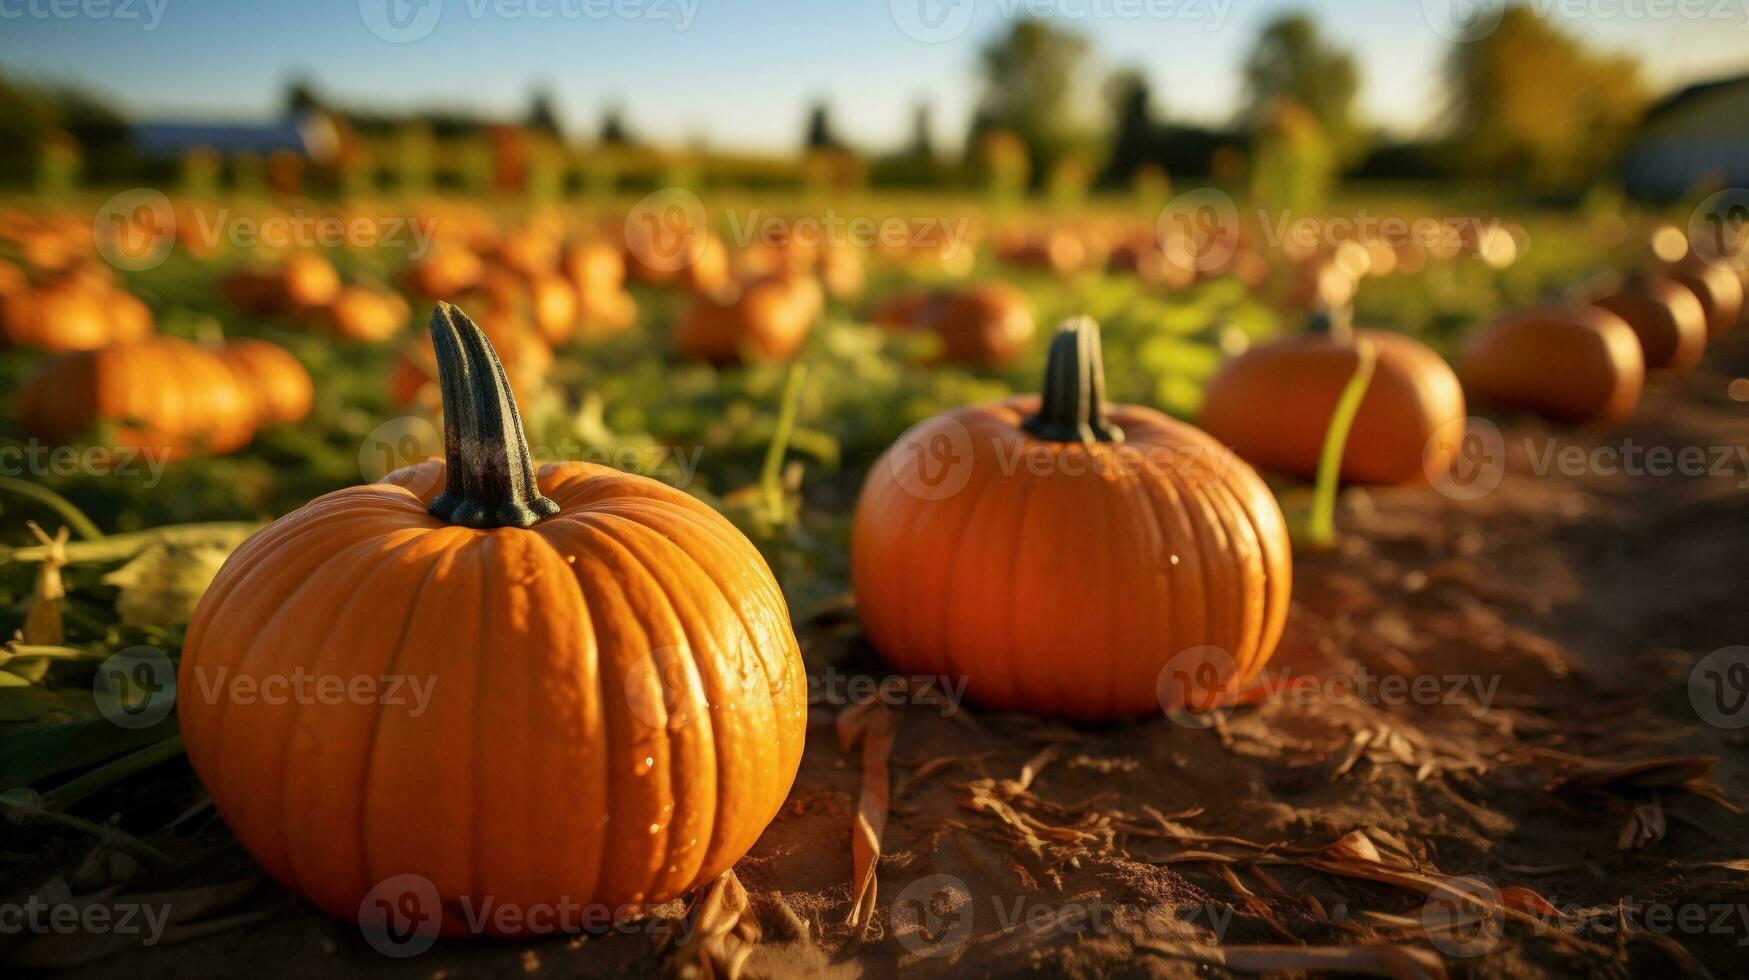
x=1528, y=804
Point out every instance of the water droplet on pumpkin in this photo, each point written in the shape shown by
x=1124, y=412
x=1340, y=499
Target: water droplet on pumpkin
x=1173, y=559
x=645, y=766
x=655, y=828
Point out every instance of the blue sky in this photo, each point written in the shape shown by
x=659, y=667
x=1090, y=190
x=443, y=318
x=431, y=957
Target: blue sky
x=740, y=73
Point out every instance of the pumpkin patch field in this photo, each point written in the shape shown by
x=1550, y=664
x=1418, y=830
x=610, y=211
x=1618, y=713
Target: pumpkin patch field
x=725, y=490
x=969, y=616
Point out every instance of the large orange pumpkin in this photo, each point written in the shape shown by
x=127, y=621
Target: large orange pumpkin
x=616, y=707
x=1004, y=542
x=166, y=395
x=1666, y=316
x=1273, y=404
x=274, y=378
x=1578, y=364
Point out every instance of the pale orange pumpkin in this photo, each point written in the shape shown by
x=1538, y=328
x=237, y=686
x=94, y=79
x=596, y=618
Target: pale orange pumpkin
x=367, y=315
x=1273, y=404
x=1572, y=364
x=1001, y=543
x=273, y=377
x=450, y=270
x=769, y=318
x=1666, y=316
x=1719, y=290
x=617, y=704
x=67, y=312
x=166, y=395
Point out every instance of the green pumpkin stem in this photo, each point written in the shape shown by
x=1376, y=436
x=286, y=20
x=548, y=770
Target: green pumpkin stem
x=491, y=477
x=1073, y=408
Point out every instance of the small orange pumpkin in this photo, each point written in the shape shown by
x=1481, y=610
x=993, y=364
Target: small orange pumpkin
x=552, y=305
x=616, y=704
x=1273, y=404
x=1571, y=364
x=367, y=315
x=993, y=541
x=308, y=281
x=303, y=283
x=1058, y=250
x=274, y=377
x=450, y=270
x=770, y=317
x=989, y=324
x=1666, y=316
x=165, y=395
x=1719, y=290
x=67, y=312
x=842, y=271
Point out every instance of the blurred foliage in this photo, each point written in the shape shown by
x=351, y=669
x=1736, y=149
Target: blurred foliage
x=1293, y=165
x=1532, y=104
x=1036, y=86
x=1292, y=62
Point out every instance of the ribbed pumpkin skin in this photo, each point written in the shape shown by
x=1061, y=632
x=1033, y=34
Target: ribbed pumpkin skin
x=1272, y=404
x=542, y=771
x=1571, y=365
x=166, y=395
x=1667, y=317
x=274, y=377
x=1066, y=593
